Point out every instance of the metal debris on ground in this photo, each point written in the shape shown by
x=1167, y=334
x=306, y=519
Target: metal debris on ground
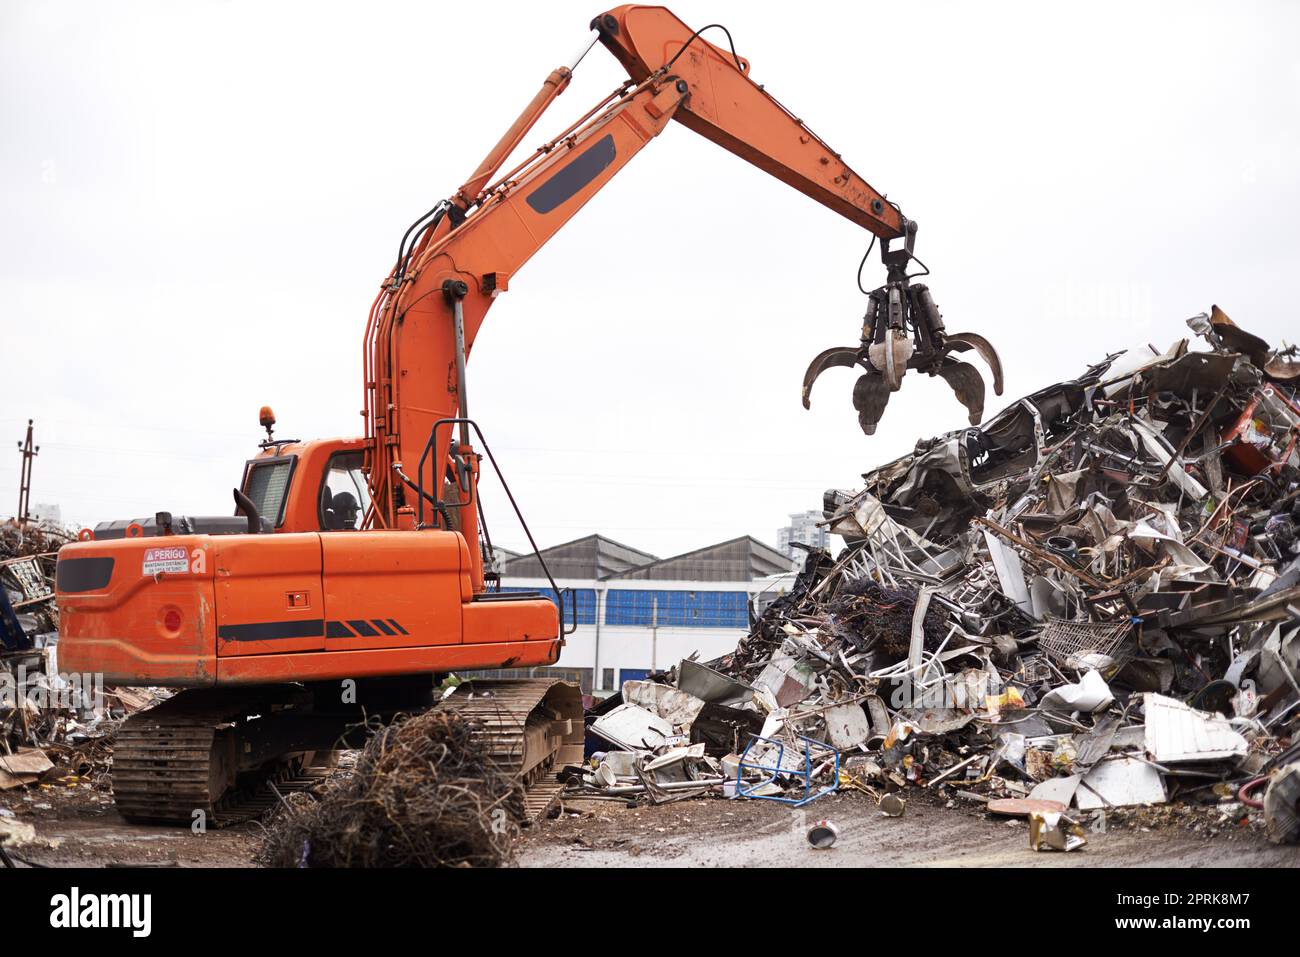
x=1092, y=600
x=823, y=834
x=891, y=805
x=1053, y=831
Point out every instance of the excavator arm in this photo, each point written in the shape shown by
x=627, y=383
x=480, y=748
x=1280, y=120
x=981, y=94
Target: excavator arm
x=454, y=261
x=728, y=108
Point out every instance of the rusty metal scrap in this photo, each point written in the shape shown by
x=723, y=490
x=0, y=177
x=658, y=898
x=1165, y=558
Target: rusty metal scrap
x=28, y=615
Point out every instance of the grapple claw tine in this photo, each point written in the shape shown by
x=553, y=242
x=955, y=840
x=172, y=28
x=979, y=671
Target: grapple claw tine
x=965, y=380
x=965, y=341
x=903, y=329
x=870, y=396
x=831, y=358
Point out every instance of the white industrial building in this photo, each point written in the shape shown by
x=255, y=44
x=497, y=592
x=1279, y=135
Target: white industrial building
x=637, y=613
x=805, y=528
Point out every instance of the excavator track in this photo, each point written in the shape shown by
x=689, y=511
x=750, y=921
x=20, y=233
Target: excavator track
x=181, y=757
x=175, y=760
x=532, y=727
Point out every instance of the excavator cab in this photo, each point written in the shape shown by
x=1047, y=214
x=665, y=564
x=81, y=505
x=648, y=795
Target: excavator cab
x=307, y=486
x=296, y=486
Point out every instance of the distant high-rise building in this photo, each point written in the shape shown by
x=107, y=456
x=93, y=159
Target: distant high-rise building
x=46, y=512
x=804, y=529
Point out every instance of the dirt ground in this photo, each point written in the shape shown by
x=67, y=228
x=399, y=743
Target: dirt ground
x=713, y=833
x=87, y=832
x=82, y=829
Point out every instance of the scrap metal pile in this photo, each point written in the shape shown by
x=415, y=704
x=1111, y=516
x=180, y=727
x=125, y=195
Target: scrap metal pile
x=1091, y=602
x=28, y=616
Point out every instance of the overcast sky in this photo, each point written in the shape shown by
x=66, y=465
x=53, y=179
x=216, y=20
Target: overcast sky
x=200, y=199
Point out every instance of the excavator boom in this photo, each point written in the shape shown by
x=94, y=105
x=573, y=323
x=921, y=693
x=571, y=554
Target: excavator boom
x=457, y=259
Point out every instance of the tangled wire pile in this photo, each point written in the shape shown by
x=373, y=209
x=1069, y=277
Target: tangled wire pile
x=22, y=541
x=424, y=793
x=870, y=615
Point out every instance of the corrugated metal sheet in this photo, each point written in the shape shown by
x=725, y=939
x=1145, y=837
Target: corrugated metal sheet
x=593, y=556
x=740, y=559
x=1175, y=732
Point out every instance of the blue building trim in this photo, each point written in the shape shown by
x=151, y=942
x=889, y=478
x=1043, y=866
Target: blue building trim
x=584, y=601
x=677, y=609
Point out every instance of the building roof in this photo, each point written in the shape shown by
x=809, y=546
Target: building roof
x=740, y=559
x=592, y=556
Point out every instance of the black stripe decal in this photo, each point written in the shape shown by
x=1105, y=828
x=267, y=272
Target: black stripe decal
x=272, y=630
x=565, y=184
x=364, y=629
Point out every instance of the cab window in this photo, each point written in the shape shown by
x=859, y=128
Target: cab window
x=344, y=495
x=267, y=486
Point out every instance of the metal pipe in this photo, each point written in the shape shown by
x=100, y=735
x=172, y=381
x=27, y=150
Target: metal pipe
x=595, y=662
x=458, y=320
x=880, y=723
x=702, y=784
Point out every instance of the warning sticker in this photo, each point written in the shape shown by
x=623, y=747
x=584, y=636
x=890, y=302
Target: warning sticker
x=172, y=560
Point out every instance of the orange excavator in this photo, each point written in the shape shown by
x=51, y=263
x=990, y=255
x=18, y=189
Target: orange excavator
x=355, y=572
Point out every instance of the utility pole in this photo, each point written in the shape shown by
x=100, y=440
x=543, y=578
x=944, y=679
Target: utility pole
x=654, y=632
x=25, y=488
